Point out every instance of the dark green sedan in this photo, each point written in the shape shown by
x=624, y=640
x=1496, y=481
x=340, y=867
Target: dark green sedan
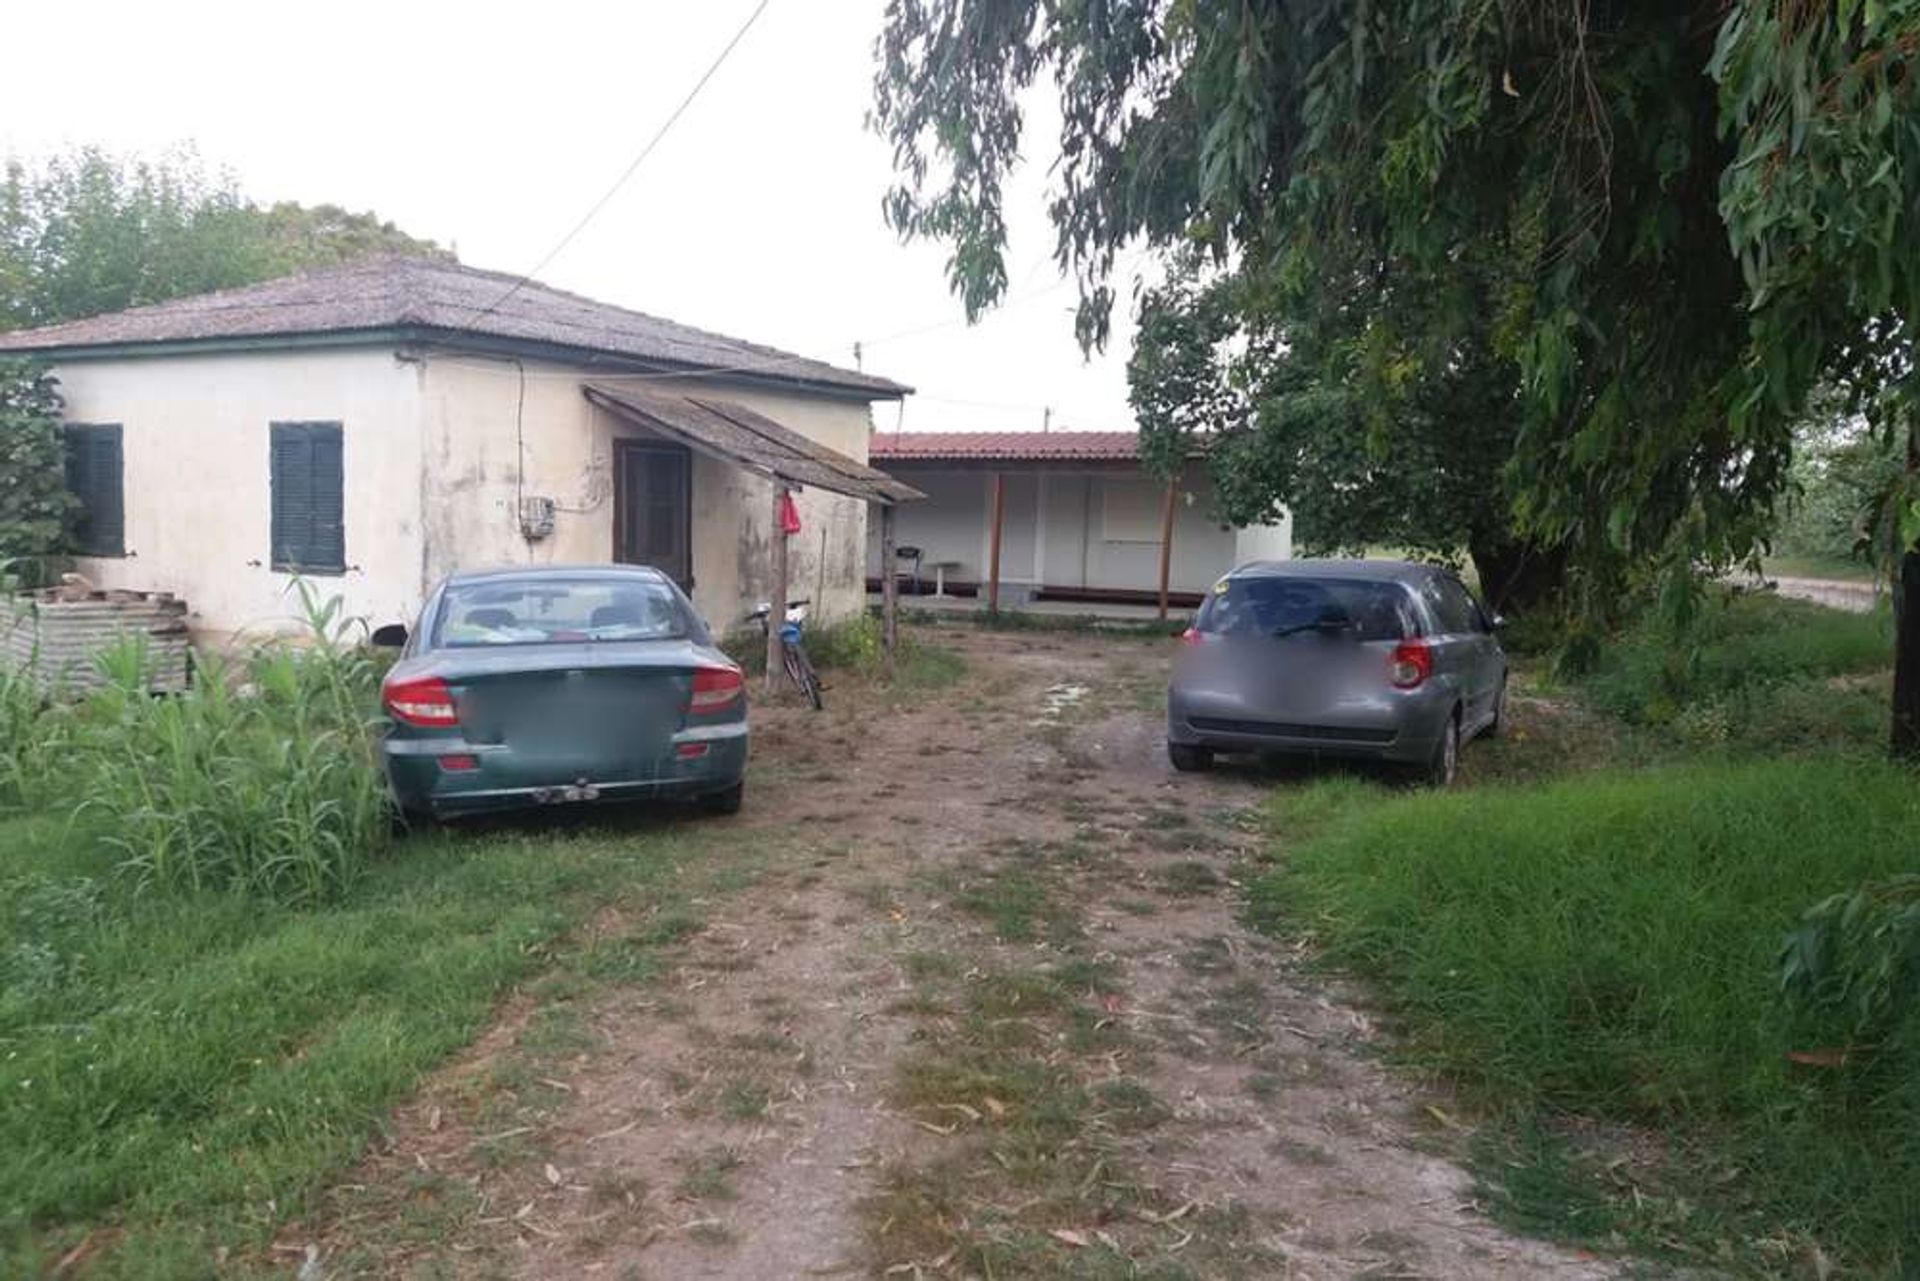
x=526, y=687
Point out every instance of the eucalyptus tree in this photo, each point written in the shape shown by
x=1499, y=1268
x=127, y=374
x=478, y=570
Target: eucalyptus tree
x=1629, y=227
x=1822, y=202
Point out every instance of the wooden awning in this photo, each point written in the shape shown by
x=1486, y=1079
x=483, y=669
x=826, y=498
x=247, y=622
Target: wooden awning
x=735, y=434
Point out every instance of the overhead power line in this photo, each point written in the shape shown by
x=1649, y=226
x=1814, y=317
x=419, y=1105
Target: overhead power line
x=665, y=128
x=999, y=308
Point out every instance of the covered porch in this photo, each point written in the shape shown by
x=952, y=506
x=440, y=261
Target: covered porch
x=1063, y=521
x=698, y=487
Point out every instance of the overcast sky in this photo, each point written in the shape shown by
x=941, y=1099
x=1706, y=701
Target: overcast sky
x=494, y=127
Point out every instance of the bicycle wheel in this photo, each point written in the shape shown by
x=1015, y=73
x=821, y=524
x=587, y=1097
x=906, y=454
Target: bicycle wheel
x=800, y=669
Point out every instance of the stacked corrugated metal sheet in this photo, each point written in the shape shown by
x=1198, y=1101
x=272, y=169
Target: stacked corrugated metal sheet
x=60, y=637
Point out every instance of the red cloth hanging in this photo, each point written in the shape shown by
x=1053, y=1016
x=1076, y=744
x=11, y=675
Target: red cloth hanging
x=789, y=514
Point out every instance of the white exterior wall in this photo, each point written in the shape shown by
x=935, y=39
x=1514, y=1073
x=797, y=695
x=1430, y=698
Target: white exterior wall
x=826, y=560
x=196, y=477
x=433, y=448
x=1264, y=542
x=478, y=428
x=1074, y=527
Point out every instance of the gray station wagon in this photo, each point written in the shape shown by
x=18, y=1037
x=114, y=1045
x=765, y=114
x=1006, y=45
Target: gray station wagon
x=1386, y=660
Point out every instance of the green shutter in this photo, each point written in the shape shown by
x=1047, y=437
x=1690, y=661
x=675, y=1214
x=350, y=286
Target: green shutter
x=308, y=495
x=95, y=475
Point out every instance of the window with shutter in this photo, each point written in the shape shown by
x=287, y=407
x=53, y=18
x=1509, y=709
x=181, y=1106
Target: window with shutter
x=94, y=474
x=309, y=481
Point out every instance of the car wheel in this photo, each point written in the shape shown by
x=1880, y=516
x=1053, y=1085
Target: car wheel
x=1444, y=766
x=1189, y=758
x=727, y=802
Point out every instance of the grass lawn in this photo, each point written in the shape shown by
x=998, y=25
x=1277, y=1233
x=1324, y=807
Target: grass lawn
x=181, y=1072
x=1592, y=958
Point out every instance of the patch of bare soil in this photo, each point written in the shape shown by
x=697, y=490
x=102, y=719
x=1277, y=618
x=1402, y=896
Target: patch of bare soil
x=989, y=1008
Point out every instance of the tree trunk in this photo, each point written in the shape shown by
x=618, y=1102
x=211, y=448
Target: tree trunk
x=1906, y=604
x=1516, y=577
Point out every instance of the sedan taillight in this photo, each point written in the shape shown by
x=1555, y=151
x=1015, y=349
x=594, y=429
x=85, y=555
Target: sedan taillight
x=716, y=688
x=425, y=701
x=1412, y=663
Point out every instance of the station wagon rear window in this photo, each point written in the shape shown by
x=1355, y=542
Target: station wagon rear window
x=558, y=611
x=1278, y=606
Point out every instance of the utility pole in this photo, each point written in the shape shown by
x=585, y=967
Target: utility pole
x=778, y=617
x=1046, y=419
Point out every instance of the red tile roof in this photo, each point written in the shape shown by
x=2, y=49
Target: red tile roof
x=1006, y=446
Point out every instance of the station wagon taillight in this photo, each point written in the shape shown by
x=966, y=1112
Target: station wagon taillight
x=425, y=701
x=1412, y=663
x=716, y=688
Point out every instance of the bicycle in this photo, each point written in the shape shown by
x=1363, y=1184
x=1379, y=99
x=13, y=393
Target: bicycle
x=793, y=658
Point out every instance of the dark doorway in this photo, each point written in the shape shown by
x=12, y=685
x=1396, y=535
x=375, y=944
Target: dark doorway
x=653, y=509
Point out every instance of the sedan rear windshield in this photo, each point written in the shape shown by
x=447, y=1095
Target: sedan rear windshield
x=559, y=611
x=1275, y=606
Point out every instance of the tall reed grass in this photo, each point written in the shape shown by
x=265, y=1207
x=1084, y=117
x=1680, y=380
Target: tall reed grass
x=263, y=777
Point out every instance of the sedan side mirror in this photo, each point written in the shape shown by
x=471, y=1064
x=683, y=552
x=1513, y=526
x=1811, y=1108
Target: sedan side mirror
x=1498, y=622
x=392, y=636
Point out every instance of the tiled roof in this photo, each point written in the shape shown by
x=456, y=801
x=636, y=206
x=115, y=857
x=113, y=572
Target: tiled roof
x=752, y=440
x=440, y=299
x=1006, y=446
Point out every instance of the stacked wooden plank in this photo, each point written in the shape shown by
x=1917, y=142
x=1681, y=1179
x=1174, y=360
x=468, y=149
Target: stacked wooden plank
x=60, y=636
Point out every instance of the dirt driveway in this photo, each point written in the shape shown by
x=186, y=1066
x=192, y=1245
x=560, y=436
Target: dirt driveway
x=985, y=1009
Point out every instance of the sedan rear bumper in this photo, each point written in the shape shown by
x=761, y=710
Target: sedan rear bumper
x=698, y=762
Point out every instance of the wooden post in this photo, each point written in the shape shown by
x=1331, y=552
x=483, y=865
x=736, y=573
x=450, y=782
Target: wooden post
x=778, y=617
x=889, y=588
x=1166, y=543
x=999, y=515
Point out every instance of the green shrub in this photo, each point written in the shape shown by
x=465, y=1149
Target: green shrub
x=854, y=645
x=1855, y=958
x=1750, y=667
x=35, y=504
x=852, y=642
x=1607, y=945
x=1849, y=716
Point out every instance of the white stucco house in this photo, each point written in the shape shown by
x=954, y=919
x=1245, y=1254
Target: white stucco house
x=374, y=426
x=1080, y=519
